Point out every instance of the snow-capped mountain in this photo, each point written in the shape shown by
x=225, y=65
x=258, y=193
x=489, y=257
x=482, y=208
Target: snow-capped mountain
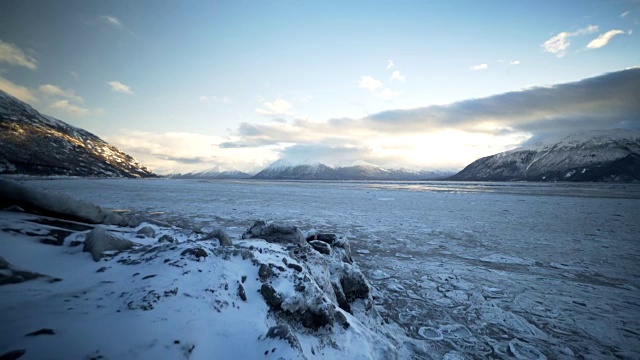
x=213, y=173
x=35, y=144
x=603, y=155
x=283, y=170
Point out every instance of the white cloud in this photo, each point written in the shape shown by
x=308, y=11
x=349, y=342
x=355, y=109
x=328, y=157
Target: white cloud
x=67, y=107
x=13, y=55
x=276, y=107
x=603, y=39
x=479, y=67
x=370, y=83
x=396, y=75
x=53, y=90
x=624, y=14
x=18, y=91
x=515, y=62
x=112, y=20
x=172, y=152
x=117, y=86
x=558, y=44
x=387, y=94
x=218, y=99
x=390, y=64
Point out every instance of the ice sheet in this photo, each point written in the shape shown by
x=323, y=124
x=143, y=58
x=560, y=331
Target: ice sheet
x=475, y=270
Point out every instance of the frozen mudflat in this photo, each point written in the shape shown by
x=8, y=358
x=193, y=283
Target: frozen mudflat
x=483, y=271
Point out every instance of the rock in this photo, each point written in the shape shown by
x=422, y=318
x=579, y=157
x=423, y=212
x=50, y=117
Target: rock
x=341, y=298
x=264, y=273
x=317, y=317
x=271, y=297
x=284, y=332
x=274, y=233
x=10, y=275
x=324, y=237
x=166, y=238
x=147, y=231
x=13, y=354
x=241, y=293
x=294, y=266
x=219, y=234
x=44, y=331
x=321, y=246
x=195, y=252
x=341, y=319
x=354, y=285
x=100, y=240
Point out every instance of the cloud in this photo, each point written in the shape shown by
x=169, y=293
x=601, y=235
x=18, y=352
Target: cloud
x=172, y=152
x=223, y=99
x=396, y=75
x=276, y=107
x=53, y=90
x=111, y=20
x=603, y=102
x=117, y=86
x=390, y=64
x=67, y=107
x=515, y=62
x=603, y=39
x=370, y=83
x=387, y=94
x=624, y=14
x=13, y=55
x=479, y=67
x=559, y=43
x=18, y=91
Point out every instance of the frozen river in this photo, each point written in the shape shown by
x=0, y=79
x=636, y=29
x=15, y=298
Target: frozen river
x=484, y=270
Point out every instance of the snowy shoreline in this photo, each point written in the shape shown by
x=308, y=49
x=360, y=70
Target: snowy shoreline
x=274, y=293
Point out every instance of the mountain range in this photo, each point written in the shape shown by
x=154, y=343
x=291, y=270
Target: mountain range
x=35, y=144
x=284, y=170
x=603, y=155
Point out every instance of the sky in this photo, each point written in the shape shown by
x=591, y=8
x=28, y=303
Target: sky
x=193, y=85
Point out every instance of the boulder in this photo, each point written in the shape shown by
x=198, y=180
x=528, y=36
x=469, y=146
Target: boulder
x=219, y=234
x=271, y=297
x=166, y=238
x=100, y=240
x=11, y=275
x=274, y=233
x=321, y=246
x=147, y=231
x=354, y=285
x=195, y=252
x=284, y=332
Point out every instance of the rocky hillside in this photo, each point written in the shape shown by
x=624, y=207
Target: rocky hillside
x=282, y=170
x=606, y=155
x=35, y=144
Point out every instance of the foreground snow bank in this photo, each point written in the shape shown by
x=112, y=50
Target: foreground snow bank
x=175, y=296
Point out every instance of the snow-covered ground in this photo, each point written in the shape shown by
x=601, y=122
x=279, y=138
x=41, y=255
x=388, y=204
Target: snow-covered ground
x=469, y=270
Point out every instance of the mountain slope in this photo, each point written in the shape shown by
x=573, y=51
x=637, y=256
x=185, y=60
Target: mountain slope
x=36, y=144
x=604, y=155
x=282, y=170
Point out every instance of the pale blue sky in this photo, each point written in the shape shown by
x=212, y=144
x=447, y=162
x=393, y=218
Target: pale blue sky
x=171, y=81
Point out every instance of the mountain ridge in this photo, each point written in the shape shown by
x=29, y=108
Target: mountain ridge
x=597, y=155
x=32, y=143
